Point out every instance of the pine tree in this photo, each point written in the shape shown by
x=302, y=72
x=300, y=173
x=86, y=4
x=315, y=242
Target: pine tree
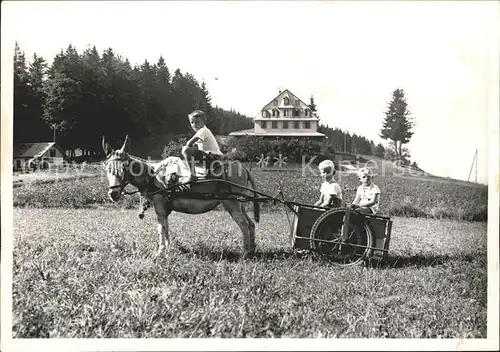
x=379, y=151
x=398, y=124
x=206, y=105
x=37, y=75
x=21, y=94
x=312, y=105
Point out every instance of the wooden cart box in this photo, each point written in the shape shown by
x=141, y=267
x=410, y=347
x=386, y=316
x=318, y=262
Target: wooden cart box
x=382, y=227
x=302, y=225
x=305, y=218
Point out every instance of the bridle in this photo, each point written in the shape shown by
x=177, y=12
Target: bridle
x=119, y=167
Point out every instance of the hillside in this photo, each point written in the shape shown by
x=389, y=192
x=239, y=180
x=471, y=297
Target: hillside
x=387, y=168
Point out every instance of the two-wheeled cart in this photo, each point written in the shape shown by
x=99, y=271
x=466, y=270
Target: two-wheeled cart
x=342, y=236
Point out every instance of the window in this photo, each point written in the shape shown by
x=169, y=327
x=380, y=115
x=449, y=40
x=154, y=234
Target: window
x=285, y=113
x=285, y=124
x=296, y=112
x=18, y=164
x=263, y=124
x=296, y=125
x=307, y=112
x=297, y=102
x=274, y=124
x=277, y=113
x=286, y=101
x=52, y=153
x=276, y=102
x=307, y=124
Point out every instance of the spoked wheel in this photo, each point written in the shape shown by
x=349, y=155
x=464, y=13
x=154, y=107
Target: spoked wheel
x=326, y=238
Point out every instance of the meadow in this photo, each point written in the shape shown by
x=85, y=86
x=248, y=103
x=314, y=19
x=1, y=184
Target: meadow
x=92, y=273
x=401, y=196
x=83, y=267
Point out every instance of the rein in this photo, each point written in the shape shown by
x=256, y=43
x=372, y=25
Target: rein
x=122, y=188
x=119, y=167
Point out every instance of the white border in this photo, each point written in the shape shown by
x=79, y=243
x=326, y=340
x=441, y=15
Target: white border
x=8, y=344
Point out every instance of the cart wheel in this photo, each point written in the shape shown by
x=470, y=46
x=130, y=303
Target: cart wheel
x=326, y=238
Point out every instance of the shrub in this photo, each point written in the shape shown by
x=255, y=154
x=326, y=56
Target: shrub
x=293, y=149
x=174, y=148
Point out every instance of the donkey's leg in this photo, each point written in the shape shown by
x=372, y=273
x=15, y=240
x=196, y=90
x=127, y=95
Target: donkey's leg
x=251, y=224
x=143, y=205
x=162, y=218
x=237, y=212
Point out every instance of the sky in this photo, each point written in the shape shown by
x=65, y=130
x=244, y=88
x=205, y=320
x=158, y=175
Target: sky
x=350, y=56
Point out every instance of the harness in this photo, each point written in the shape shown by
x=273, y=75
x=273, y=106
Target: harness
x=119, y=166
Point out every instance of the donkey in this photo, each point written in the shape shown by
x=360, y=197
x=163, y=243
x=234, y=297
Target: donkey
x=122, y=169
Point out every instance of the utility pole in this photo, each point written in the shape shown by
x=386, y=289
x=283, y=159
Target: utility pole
x=474, y=161
x=476, y=165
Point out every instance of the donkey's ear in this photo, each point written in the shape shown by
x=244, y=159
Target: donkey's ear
x=106, y=147
x=126, y=144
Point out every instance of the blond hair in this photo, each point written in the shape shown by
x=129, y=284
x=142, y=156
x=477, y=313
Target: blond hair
x=365, y=171
x=198, y=113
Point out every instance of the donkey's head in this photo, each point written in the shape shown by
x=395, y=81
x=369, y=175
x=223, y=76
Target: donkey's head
x=117, y=164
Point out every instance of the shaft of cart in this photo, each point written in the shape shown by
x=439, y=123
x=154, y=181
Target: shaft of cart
x=257, y=195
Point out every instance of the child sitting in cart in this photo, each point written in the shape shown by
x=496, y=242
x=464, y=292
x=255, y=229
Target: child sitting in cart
x=368, y=194
x=202, y=145
x=331, y=194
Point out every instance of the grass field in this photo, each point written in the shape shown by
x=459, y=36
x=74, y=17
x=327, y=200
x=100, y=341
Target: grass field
x=401, y=196
x=83, y=267
x=90, y=273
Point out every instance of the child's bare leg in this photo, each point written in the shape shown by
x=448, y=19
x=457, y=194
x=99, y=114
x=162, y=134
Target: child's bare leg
x=190, y=154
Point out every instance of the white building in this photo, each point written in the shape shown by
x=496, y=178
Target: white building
x=285, y=116
x=43, y=155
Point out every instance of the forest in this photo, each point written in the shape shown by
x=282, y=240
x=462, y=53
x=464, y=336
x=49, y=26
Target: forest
x=81, y=96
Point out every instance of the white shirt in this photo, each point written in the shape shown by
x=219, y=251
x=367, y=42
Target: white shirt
x=367, y=194
x=329, y=189
x=207, y=142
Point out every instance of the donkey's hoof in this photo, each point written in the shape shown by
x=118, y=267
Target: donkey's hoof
x=248, y=255
x=160, y=252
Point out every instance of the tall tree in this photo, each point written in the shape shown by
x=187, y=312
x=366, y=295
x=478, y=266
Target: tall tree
x=206, y=105
x=37, y=76
x=65, y=108
x=398, y=124
x=312, y=105
x=59, y=109
x=379, y=151
x=21, y=95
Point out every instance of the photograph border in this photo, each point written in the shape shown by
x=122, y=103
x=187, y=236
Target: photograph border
x=229, y=344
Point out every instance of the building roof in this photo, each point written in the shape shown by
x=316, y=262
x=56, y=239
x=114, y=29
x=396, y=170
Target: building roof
x=286, y=106
x=292, y=134
x=251, y=132
x=243, y=132
x=31, y=150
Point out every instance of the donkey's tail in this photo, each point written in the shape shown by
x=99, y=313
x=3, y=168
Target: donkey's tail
x=256, y=204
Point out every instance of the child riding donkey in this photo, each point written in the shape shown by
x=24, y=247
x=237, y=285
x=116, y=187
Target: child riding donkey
x=201, y=147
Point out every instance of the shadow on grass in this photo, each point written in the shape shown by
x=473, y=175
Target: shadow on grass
x=391, y=262
x=418, y=260
x=231, y=255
